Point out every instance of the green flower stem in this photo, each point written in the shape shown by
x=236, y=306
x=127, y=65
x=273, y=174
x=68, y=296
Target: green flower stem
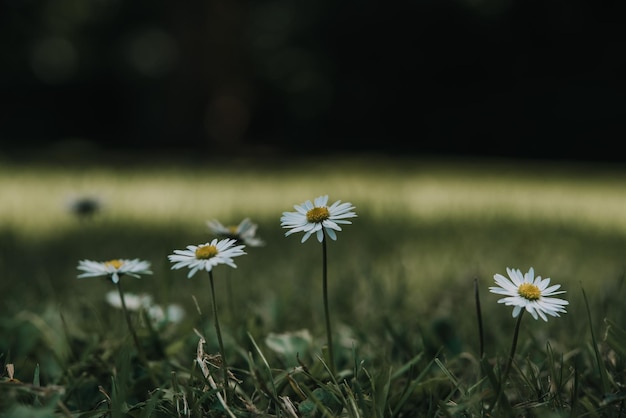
x=329, y=334
x=140, y=352
x=219, y=337
x=231, y=297
x=129, y=323
x=509, y=363
x=507, y=370
x=480, y=321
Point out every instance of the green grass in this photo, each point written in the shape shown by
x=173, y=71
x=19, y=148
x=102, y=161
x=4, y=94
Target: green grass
x=402, y=286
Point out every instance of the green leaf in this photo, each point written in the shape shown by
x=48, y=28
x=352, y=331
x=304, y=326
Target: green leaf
x=36, y=381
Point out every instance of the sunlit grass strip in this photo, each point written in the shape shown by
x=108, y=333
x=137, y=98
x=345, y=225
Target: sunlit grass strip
x=423, y=192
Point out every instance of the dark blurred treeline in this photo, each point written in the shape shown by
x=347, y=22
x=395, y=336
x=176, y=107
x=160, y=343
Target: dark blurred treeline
x=521, y=78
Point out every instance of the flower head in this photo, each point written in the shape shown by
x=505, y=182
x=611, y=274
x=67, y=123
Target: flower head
x=525, y=291
x=317, y=218
x=244, y=233
x=206, y=256
x=114, y=269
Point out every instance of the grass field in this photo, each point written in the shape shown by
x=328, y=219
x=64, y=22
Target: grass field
x=403, y=282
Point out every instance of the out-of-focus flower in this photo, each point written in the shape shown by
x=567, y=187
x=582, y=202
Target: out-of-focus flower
x=244, y=233
x=158, y=315
x=171, y=314
x=84, y=207
x=133, y=302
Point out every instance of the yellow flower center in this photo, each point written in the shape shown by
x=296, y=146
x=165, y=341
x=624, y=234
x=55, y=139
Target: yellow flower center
x=205, y=252
x=529, y=291
x=116, y=264
x=232, y=229
x=317, y=215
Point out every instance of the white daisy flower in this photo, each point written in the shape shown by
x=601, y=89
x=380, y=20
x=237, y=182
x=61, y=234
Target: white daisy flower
x=114, y=269
x=525, y=291
x=206, y=256
x=317, y=218
x=244, y=233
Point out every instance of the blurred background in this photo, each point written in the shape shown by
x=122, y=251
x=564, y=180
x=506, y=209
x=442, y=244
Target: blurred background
x=539, y=79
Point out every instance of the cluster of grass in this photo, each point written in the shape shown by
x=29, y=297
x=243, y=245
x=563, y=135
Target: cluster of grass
x=416, y=331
